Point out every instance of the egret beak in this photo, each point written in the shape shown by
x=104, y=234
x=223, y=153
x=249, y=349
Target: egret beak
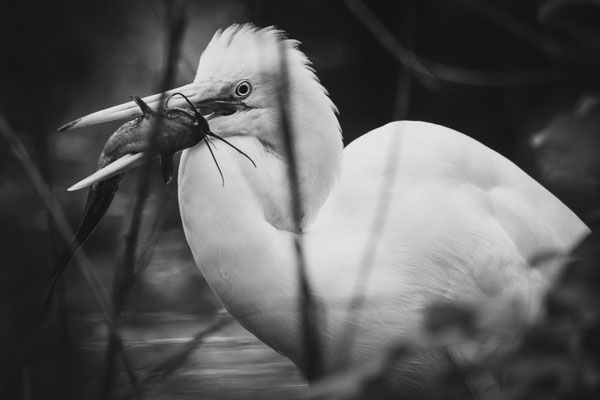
x=132, y=144
x=198, y=93
x=123, y=164
x=183, y=126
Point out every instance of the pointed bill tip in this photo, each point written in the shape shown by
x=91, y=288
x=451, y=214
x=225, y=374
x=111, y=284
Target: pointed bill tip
x=120, y=166
x=68, y=126
x=79, y=185
x=87, y=182
x=132, y=109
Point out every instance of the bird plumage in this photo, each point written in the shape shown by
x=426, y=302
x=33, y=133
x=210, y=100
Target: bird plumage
x=247, y=53
x=460, y=223
x=463, y=221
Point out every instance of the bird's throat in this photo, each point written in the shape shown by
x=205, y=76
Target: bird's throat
x=244, y=258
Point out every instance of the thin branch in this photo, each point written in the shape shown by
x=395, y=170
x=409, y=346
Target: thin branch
x=404, y=82
x=359, y=381
x=514, y=26
x=515, y=78
x=52, y=205
x=164, y=24
x=163, y=370
x=127, y=261
x=401, y=106
x=143, y=260
x=41, y=147
x=125, y=271
x=355, y=308
x=427, y=71
x=306, y=301
x=403, y=55
x=159, y=373
x=49, y=201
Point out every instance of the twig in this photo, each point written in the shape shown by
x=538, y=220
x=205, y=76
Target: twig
x=404, y=84
x=427, y=71
x=515, y=78
x=162, y=371
x=400, y=111
x=40, y=142
x=143, y=260
x=403, y=55
x=125, y=272
x=356, y=305
x=306, y=302
x=514, y=26
x=26, y=382
x=168, y=366
x=189, y=66
x=359, y=381
x=127, y=261
x=65, y=334
x=49, y=201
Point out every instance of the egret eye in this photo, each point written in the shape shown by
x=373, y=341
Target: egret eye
x=243, y=90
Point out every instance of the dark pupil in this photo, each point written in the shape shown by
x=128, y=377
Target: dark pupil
x=243, y=89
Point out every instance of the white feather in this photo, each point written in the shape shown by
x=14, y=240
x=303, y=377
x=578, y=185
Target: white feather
x=462, y=224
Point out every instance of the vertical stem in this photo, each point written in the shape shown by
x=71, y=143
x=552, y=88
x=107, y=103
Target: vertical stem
x=401, y=106
x=404, y=82
x=26, y=382
x=42, y=159
x=51, y=204
x=63, y=315
x=306, y=301
x=125, y=271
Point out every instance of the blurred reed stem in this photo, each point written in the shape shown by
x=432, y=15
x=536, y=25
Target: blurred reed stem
x=431, y=73
x=307, y=305
x=400, y=110
x=124, y=277
x=51, y=204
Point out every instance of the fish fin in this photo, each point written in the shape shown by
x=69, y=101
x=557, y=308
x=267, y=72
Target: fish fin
x=142, y=105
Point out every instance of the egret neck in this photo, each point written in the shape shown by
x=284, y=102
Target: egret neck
x=252, y=208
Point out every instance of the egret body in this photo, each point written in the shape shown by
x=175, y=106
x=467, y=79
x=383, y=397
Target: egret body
x=463, y=221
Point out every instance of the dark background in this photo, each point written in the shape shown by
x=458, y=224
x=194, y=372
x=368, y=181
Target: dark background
x=535, y=65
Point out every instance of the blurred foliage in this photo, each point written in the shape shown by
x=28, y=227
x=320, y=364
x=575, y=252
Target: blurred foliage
x=566, y=151
x=558, y=356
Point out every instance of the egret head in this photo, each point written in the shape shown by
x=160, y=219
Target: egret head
x=242, y=65
x=236, y=87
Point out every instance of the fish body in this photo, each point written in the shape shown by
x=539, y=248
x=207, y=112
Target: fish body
x=163, y=133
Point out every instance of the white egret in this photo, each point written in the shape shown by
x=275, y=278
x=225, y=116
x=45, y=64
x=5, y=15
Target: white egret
x=463, y=221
